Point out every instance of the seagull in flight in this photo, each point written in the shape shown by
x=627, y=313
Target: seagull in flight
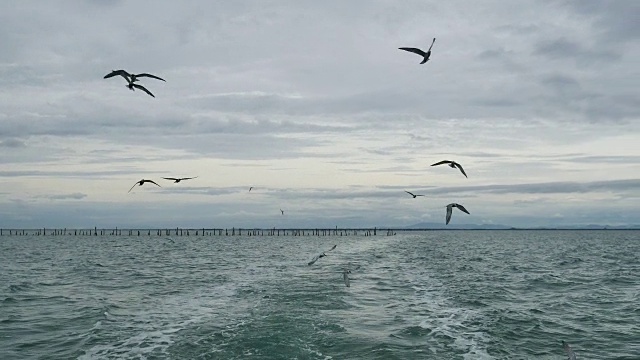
x=345, y=275
x=426, y=55
x=452, y=164
x=177, y=180
x=450, y=210
x=139, y=183
x=315, y=258
x=282, y=211
x=131, y=78
x=570, y=354
x=412, y=194
x=250, y=187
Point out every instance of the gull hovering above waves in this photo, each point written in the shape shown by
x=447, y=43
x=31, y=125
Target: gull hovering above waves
x=425, y=55
x=130, y=77
x=570, y=354
x=452, y=164
x=345, y=275
x=412, y=194
x=141, y=182
x=450, y=210
x=177, y=180
x=315, y=258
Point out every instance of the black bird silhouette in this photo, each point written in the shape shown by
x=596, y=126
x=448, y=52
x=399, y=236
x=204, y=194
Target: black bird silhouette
x=452, y=164
x=426, y=55
x=139, y=183
x=177, y=180
x=315, y=258
x=133, y=86
x=130, y=77
x=450, y=210
x=570, y=354
x=250, y=187
x=412, y=194
x=282, y=211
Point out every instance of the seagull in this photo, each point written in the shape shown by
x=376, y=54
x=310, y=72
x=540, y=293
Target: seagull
x=450, y=210
x=139, y=183
x=130, y=77
x=414, y=196
x=282, y=211
x=420, y=52
x=315, y=258
x=345, y=276
x=177, y=180
x=570, y=354
x=250, y=187
x=452, y=164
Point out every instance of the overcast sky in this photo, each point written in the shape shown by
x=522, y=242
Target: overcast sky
x=312, y=104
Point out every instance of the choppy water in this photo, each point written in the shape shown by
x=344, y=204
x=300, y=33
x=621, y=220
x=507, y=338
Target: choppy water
x=417, y=295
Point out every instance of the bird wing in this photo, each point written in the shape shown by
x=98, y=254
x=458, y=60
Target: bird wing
x=434, y=40
x=449, y=211
x=334, y=246
x=151, y=76
x=188, y=178
x=442, y=162
x=413, y=50
x=166, y=178
x=143, y=89
x=409, y=193
x=462, y=208
x=313, y=261
x=134, y=185
x=153, y=182
x=345, y=276
x=461, y=170
x=122, y=73
x=571, y=355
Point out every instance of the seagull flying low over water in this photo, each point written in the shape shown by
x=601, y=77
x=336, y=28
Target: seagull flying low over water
x=139, y=183
x=345, y=275
x=452, y=164
x=315, y=258
x=570, y=354
x=414, y=196
x=426, y=55
x=177, y=180
x=450, y=210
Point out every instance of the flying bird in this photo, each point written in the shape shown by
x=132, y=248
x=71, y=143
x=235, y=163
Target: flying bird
x=570, y=354
x=345, y=277
x=412, y=194
x=133, y=86
x=315, y=258
x=251, y=187
x=426, y=55
x=130, y=77
x=282, y=211
x=450, y=210
x=177, y=180
x=139, y=183
x=452, y=164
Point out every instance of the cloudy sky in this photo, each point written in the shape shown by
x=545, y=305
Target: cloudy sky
x=312, y=104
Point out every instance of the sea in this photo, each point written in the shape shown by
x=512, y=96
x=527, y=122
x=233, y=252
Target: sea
x=449, y=294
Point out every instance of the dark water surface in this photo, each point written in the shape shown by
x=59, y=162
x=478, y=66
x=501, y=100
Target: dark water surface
x=416, y=295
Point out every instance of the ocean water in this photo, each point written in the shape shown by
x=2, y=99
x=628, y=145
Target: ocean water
x=415, y=295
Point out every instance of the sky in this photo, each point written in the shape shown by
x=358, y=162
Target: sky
x=312, y=104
